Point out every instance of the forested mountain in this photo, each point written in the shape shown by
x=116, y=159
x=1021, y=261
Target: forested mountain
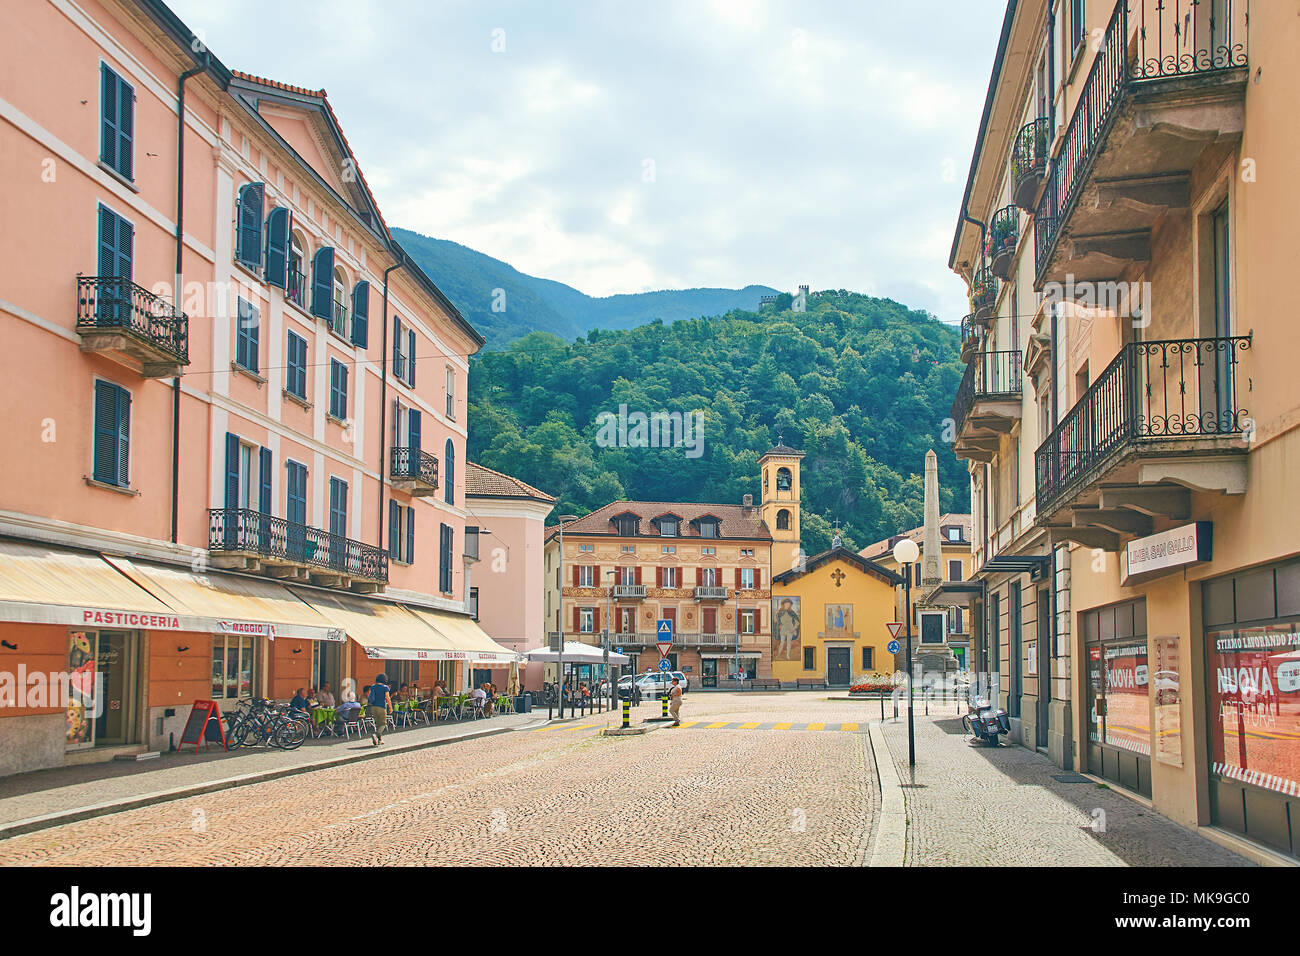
x=529, y=304
x=862, y=385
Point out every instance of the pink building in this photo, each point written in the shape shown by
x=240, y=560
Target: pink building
x=508, y=586
x=237, y=414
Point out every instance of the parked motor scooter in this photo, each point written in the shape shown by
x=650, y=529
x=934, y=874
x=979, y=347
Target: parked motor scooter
x=986, y=723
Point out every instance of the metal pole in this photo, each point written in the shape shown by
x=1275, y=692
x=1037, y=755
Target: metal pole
x=911, y=731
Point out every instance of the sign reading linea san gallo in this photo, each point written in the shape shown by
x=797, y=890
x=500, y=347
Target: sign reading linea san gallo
x=1166, y=550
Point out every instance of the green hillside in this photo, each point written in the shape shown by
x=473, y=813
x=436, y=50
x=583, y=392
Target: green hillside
x=862, y=385
x=529, y=304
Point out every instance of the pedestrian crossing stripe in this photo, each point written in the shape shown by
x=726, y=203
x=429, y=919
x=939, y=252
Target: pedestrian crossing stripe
x=816, y=726
x=716, y=724
x=750, y=726
x=782, y=726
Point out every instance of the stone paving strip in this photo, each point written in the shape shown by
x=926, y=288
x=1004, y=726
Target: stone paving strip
x=973, y=805
x=562, y=795
x=47, y=798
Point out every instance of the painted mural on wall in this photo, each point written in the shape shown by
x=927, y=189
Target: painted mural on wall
x=839, y=621
x=785, y=629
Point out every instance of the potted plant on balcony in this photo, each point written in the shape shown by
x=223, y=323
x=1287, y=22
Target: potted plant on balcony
x=1001, y=246
x=983, y=295
x=1029, y=163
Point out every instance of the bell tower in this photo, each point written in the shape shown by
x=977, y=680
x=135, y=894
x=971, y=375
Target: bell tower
x=779, y=474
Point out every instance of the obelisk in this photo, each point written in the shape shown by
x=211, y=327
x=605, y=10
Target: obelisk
x=931, y=550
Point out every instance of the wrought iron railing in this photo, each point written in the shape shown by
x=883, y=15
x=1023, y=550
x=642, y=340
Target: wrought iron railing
x=709, y=592
x=251, y=532
x=338, y=322
x=412, y=463
x=983, y=292
x=111, y=302
x=1151, y=392
x=1004, y=231
x=629, y=591
x=297, y=287
x=989, y=375
x=1029, y=152
x=1145, y=40
x=971, y=333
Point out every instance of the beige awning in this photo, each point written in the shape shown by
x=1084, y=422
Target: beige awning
x=46, y=584
x=466, y=636
x=235, y=605
x=385, y=631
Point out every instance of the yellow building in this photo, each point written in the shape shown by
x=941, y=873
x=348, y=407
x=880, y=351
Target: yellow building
x=829, y=617
x=780, y=503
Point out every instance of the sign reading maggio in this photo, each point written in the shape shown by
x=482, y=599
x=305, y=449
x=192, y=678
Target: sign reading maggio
x=1165, y=550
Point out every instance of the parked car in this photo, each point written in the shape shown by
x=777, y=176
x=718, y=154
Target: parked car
x=654, y=685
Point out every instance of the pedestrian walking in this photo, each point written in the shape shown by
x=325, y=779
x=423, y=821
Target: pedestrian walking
x=675, y=703
x=381, y=702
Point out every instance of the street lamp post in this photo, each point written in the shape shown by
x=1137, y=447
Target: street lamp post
x=609, y=611
x=906, y=554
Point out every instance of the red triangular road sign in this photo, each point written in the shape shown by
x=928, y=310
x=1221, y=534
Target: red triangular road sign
x=894, y=628
x=664, y=647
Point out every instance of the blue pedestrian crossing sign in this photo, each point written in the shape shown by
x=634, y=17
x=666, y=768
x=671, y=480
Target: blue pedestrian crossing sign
x=664, y=629
x=664, y=665
x=893, y=647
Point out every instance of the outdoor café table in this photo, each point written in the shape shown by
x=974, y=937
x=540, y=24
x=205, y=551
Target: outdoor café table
x=324, y=718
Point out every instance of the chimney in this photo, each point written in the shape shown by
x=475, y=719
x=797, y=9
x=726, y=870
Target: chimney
x=748, y=502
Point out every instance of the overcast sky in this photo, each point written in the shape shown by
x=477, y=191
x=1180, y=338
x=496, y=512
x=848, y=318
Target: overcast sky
x=650, y=144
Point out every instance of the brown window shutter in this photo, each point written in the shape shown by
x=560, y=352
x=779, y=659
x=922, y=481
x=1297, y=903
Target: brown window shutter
x=596, y=580
x=638, y=574
x=758, y=626
x=575, y=575
x=659, y=576
x=577, y=621
x=595, y=622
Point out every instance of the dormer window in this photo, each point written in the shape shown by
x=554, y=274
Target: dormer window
x=708, y=527
x=668, y=527
x=954, y=534
x=626, y=525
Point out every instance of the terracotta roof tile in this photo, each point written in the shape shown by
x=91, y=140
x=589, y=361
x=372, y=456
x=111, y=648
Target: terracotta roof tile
x=483, y=482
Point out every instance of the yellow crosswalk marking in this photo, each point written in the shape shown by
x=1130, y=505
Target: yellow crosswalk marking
x=717, y=723
x=816, y=726
x=583, y=727
x=749, y=726
x=689, y=723
x=848, y=726
x=781, y=726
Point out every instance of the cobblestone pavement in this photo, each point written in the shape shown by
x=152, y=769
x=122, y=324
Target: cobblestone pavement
x=969, y=804
x=27, y=795
x=559, y=795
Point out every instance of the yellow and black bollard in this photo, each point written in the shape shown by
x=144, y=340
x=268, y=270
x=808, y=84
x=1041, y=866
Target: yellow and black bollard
x=665, y=700
x=627, y=714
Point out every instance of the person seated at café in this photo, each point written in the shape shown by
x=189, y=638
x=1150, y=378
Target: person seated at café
x=326, y=697
x=300, y=701
x=440, y=688
x=478, y=697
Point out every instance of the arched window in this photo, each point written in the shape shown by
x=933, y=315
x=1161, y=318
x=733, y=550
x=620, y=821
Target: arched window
x=784, y=480
x=339, y=314
x=449, y=474
x=297, y=274
x=783, y=520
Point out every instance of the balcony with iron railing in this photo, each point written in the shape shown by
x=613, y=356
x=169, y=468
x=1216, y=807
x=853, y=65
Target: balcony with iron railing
x=1167, y=83
x=1029, y=162
x=987, y=405
x=709, y=592
x=132, y=326
x=413, y=471
x=648, y=640
x=629, y=592
x=983, y=295
x=1004, y=232
x=1164, y=417
x=972, y=335
x=338, y=320
x=253, y=541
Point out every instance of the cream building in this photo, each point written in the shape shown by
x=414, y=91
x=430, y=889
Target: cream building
x=1129, y=412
